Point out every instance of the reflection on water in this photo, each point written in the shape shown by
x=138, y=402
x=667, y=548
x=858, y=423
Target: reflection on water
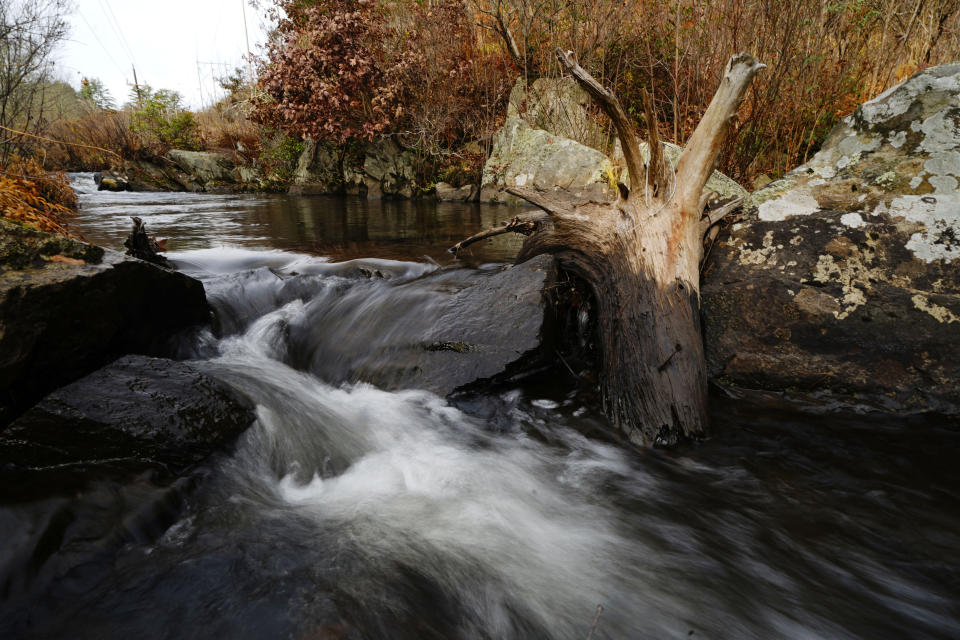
x=341, y=227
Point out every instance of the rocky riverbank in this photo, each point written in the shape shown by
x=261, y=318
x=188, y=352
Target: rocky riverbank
x=545, y=142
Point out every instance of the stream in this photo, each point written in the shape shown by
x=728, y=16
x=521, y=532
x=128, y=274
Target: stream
x=352, y=511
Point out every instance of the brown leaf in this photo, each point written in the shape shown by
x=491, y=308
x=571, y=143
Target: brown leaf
x=65, y=260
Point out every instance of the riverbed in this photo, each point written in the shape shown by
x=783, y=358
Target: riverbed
x=353, y=511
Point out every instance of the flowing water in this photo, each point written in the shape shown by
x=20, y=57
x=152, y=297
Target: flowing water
x=348, y=511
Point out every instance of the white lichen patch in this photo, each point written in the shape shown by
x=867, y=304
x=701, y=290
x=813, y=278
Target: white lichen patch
x=852, y=220
x=760, y=255
x=846, y=161
x=792, y=203
x=849, y=274
x=887, y=180
x=916, y=181
x=897, y=139
x=940, y=133
x=522, y=179
x=941, y=314
x=943, y=184
x=943, y=163
x=940, y=214
x=897, y=100
x=853, y=147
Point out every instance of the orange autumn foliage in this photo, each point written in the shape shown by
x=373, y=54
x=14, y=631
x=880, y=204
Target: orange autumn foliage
x=29, y=195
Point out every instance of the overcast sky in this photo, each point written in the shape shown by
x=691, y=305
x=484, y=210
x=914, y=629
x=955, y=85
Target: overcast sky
x=164, y=39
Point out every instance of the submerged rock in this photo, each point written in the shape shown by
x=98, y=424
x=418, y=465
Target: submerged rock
x=843, y=276
x=67, y=308
x=133, y=414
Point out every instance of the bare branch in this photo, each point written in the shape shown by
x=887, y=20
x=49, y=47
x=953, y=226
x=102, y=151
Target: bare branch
x=524, y=225
x=703, y=148
x=708, y=241
x=711, y=218
x=659, y=176
x=611, y=106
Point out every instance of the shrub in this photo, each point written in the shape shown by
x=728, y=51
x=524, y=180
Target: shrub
x=161, y=122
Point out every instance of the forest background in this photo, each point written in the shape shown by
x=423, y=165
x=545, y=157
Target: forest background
x=435, y=75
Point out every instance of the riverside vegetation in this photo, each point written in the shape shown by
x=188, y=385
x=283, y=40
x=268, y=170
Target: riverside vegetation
x=433, y=80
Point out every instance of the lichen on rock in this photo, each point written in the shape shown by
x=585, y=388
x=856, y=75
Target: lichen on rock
x=863, y=241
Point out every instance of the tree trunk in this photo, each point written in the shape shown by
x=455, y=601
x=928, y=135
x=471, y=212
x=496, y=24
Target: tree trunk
x=641, y=256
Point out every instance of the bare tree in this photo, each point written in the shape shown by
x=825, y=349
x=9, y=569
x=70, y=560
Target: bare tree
x=30, y=31
x=641, y=256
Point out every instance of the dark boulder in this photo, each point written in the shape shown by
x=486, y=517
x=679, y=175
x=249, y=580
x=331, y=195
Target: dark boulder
x=440, y=332
x=843, y=276
x=67, y=308
x=134, y=414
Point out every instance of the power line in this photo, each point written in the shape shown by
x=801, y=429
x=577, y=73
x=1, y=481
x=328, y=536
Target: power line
x=117, y=29
x=97, y=38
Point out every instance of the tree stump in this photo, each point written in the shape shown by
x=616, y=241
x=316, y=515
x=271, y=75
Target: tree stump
x=641, y=256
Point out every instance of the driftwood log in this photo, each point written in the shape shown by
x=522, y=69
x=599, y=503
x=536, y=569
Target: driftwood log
x=641, y=255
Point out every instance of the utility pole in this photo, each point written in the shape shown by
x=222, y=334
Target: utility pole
x=136, y=86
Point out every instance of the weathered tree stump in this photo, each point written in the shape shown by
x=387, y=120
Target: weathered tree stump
x=641, y=255
x=140, y=245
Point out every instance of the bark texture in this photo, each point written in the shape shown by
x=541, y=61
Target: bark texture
x=641, y=255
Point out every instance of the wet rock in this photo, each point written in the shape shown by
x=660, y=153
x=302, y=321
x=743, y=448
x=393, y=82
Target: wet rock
x=843, y=275
x=133, y=414
x=67, y=308
x=110, y=181
x=160, y=174
x=193, y=171
x=440, y=332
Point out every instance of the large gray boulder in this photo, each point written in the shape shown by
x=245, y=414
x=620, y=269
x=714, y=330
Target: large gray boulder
x=193, y=171
x=523, y=156
x=557, y=105
x=388, y=171
x=205, y=166
x=548, y=142
x=843, y=276
x=67, y=308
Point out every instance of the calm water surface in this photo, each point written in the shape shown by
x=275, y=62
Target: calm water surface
x=349, y=511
